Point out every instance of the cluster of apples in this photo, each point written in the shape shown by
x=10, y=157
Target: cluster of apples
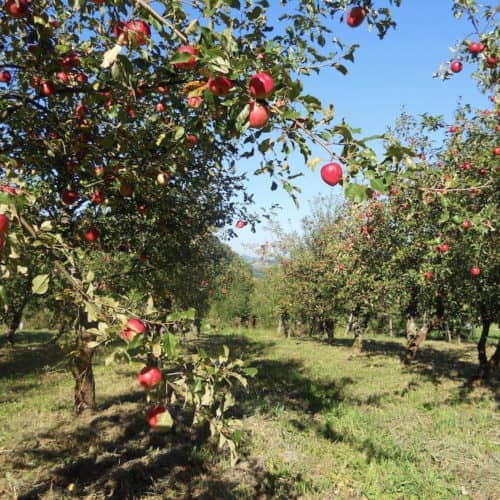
x=474, y=48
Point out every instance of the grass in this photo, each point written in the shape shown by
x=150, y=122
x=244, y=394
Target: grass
x=318, y=420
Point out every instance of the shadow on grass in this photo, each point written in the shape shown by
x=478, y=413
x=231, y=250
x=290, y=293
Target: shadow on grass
x=30, y=354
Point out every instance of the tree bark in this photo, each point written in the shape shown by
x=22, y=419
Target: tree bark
x=286, y=325
x=81, y=367
x=484, y=368
x=329, y=326
x=495, y=359
x=391, y=332
x=15, y=319
x=411, y=327
x=416, y=341
x=349, y=325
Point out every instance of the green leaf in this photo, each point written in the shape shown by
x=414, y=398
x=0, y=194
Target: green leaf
x=40, y=284
x=179, y=133
x=169, y=342
x=250, y=371
x=3, y=296
x=356, y=192
x=165, y=421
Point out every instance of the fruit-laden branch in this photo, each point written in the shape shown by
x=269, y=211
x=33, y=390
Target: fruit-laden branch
x=145, y=5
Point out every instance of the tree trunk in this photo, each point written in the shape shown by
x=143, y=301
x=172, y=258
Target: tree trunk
x=349, y=325
x=411, y=328
x=495, y=359
x=415, y=342
x=15, y=319
x=286, y=325
x=81, y=367
x=484, y=368
x=330, y=329
x=391, y=332
x=359, y=328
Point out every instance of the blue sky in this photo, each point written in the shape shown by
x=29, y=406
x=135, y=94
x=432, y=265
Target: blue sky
x=387, y=75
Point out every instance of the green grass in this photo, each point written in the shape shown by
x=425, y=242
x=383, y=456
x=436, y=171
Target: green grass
x=318, y=420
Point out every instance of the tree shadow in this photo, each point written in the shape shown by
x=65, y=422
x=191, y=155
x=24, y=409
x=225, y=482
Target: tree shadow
x=29, y=357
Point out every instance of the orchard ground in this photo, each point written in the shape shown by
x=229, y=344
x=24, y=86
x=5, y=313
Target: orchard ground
x=318, y=422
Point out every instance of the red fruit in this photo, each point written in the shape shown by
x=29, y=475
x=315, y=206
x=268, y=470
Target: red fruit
x=136, y=325
x=453, y=129
x=191, y=139
x=496, y=150
x=204, y=283
x=163, y=178
x=467, y=166
x=128, y=334
x=428, y=275
x=220, y=86
x=160, y=107
x=5, y=76
x=456, y=66
x=69, y=197
x=476, y=47
x=491, y=61
x=69, y=62
x=195, y=101
x=138, y=32
x=475, y=271
x=340, y=267
x=444, y=247
x=162, y=89
x=261, y=85
x=482, y=171
x=152, y=415
x=81, y=78
x=331, y=173
x=4, y=224
x=190, y=63
x=466, y=224
x=97, y=197
x=149, y=377
x=241, y=224
x=355, y=17
x=19, y=9
x=62, y=76
x=81, y=110
x=48, y=88
x=92, y=234
x=259, y=115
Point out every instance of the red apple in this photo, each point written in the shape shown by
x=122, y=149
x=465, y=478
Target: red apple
x=81, y=110
x=138, y=32
x=153, y=414
x=81, y=78
x=195, y=101
x=149, y=377
x=491, y=61
x=69, y=62
x=69, y=197
x=190, y=63
x=62, y=76
x=259, y=115
x=475, y=271
x=136, y=325
x=160, y=107
x=496, y=150
x=128, y=334
x=98, y=171
x=4, y=224
x=48, y=88
x=163, y=178
x=428, y=275
x=476, y=47
x=331, y=173
x=355, y=17
x=261, y=85
x=220, y=86
x=92, y=234
x=444, y=247
x=466, y=224
x=453, y=129
x=17, y=9
x=5, y=76
x=241, y=224
x=191, y=139
x=456, y=66
x=98, y=197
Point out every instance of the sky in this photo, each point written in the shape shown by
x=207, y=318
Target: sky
x=387, y=76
